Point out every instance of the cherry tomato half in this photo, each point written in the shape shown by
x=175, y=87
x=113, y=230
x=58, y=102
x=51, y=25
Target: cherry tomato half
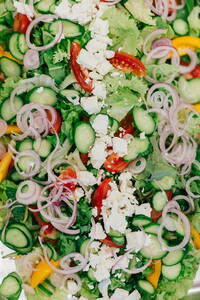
x=128, y=63
x=196, y=72
x=100, y=194
x=68, y=174
x=21, y=23
x=57, y=124
x=114, y=163
x=81, y=74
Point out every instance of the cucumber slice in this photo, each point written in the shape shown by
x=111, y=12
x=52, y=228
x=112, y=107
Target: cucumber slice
x=145, y=287
x=159, y=201
x=173, y=257
x=9, y=67
x=193, y=86
x=180, y=27
x=171, y=272
x=22, y=46
x=84, y=246
x=70, y=29
x=154, y=249
x=143, y=121
x=43, y=6
x=166, y=183
x=43, y=147
x=84, y=136
x=137, y=147
x=14, y=46
x=6, y=112
x=11, y=286
x=16, y=177
x=69, y=93
x=16, y=238
x=141, y=220
x=26, y=144
x=42, y=95
x=151, y=228
x=90, y=274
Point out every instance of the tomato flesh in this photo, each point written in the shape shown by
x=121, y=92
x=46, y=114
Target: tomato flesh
x=100, y=194
x=56, y=127
x=81, y=74
x=169, y=195
x=114, y=163
x=127, y=125
x=21, y=23
x=155, y=215
x=2, y=77
x=128, y=63
x=196, y=72
x=107, y=241
x=84, y=157
x=66, y=175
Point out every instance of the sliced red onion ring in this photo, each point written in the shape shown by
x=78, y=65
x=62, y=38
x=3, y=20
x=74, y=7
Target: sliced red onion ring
x=3, y=127
x=28, y=192
x=188, y=189
x=2, y=150
x=43, y=18
x=193, y=63
x=187, y=199
x=31, y=60
x=34, y=169
x=137, y=166
x=163, y=41
x=150, y=37
x=138, y=270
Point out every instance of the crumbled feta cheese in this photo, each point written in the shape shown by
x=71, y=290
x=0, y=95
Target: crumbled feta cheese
x=86, y=178
x=119, y=294
x=142, y=135
x=95, y=45
x=87, y=59
x=143, y=209
x=120, y=146
x=104, y=68
x=23, y=8
x=72, y=286
x=97, y=232
x=98, y=154
x=74, y=100
x=123, y=262
x=99, y=26
x=79, y=193
x=94, y=211
x=100, y=124
x=99, y=89
x=136, y=240
x=40, y=90
x=109, y=54
x=91, y=104
x=103, y=287
x=63, y=9
x=125, y=182
x=95, y=75
x=115, y=74
x=135, y=295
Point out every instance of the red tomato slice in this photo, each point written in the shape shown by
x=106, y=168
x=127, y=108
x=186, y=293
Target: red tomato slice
x=128, y=63
x=68, y=174
x=84, y=157
x=114, y=163
x=107, y=241
x=169, y=195
x=2, y=77
x=100, y=194
x=21, y=23
x=81, y=74
x=57, y=124
x=196, y=72
x=155, y=215
x=127, y=125
x=37, y=218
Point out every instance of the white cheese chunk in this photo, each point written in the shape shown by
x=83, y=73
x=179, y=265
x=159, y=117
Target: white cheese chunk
x=143, y=209
x=98, y=154
x=99, y=26
x=95, y=75
x=135, y=295
x=87, y=60
x=23, y=8
x=136, y=240
x=119, y=294
x=95, y=45
x=86, y=178
x=104, y=68
x=99, y=89
x=91, y=104
x=120, y=146
x=97, y=232
x=100, y=124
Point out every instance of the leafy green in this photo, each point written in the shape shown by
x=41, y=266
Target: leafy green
x=66, y=244
x=7, y=190
x=134, y=83
x=120, y=103
x=7, y=87
x=84, y=215
x=177, y=289
x=89, y=289
x=189, y=5
x=140, y=11
x=194, y=19
x=122, y=30
x=39, y=295
x=163, y=71
x=19, y=213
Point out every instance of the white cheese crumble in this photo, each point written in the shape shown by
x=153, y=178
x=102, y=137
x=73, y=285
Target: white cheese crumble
x=142, y=135
x=144, y=209
x=98, y=153
x=91, y=104
x=23, y=8
x=99, y=89
x=120, y=146
x=136, y=240
x=87, y=178
x=97, y=232
x=100, y=124
x=87, y=60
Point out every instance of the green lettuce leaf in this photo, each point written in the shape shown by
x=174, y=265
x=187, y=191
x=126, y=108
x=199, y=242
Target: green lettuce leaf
x=140, y=11
x=7, y=190
x=58, y=294
x=163, y=71
x=120, y=103
x=177, y=289
x=123, y=30
x=194, y=19
x=8, y=85
x=66, y=244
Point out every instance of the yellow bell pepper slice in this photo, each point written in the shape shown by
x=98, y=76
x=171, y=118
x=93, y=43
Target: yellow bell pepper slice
x=13, y=129
x=197, y=107
x=153, y=278
x=4, y=165
x=182, y=42
x=196, y=238
x=42, y=272
x=8, y=55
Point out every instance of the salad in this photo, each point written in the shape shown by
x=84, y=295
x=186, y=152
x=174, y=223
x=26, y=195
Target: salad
x=99, y=148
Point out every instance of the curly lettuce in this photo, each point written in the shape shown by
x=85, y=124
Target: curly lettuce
x=140, y=11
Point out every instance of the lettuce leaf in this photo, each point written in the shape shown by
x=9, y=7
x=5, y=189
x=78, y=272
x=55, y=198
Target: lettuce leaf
x=7, y=86
x=140, y=11
x=194, y=20
x=123, y=30
x=58, y=294
x=177, y=289
x=163, y=71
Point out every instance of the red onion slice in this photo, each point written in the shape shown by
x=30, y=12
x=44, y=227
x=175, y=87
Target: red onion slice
x=138, y=270
x=34, y=169
x=188, y=189
x=28, y=192
x=3, y=127
x=150, y=37
x=163, y=41
x=137, y=166
x=43, y=18
x=193, y=63
x=31, y=60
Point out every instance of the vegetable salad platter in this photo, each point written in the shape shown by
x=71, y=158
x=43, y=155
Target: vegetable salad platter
x=99, y=149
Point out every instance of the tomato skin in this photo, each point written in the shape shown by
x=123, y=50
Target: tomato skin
x=169, y=195
x=107, y=241
x=114, y=163
x=128, y=63
x=100, y=194
x=21, y=23
x=81, y=74
x=2, y=77
x=196, y=72
x=67, y=174
x=84, y=157
x=127, y=125
x=57, y=124
x=155, y=215
x=38, y=219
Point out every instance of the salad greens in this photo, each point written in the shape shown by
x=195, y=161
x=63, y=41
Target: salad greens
x=99, y=148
